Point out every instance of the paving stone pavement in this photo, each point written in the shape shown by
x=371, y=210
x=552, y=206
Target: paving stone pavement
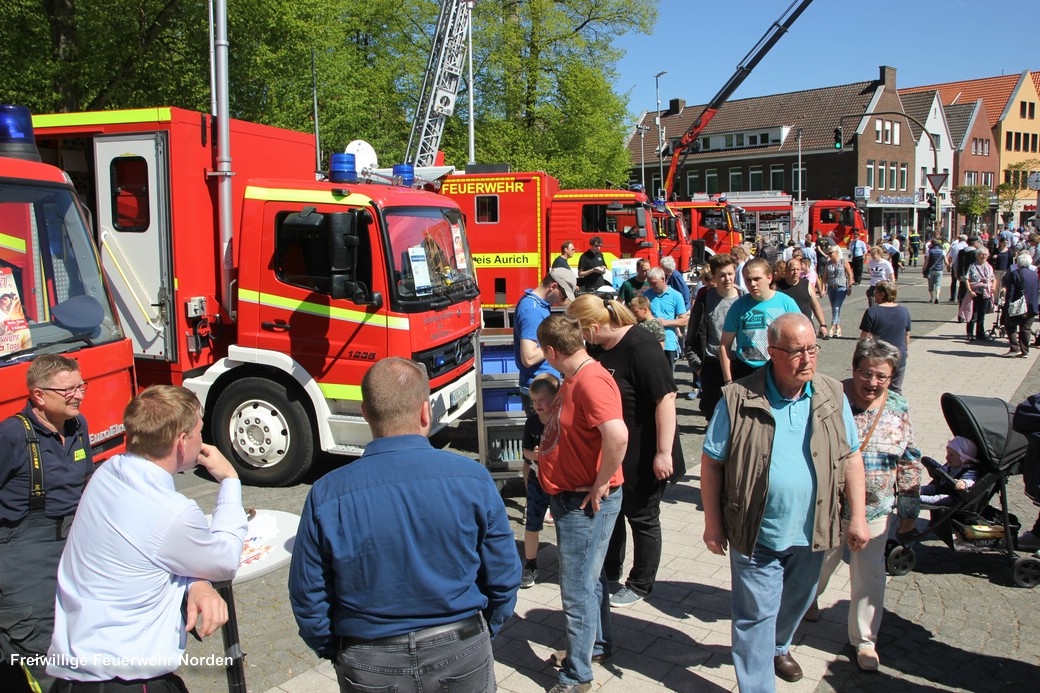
x=954, y=624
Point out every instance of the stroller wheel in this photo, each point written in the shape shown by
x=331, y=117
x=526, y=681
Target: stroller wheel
x=900, y=560
x=1026, y=572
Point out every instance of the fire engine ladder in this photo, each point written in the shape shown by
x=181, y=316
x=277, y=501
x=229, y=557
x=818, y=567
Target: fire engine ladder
x=441, y=82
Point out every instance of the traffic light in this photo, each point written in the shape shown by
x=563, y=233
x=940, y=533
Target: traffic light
x=838, y=138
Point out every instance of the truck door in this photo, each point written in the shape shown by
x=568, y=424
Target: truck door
x=134, y=236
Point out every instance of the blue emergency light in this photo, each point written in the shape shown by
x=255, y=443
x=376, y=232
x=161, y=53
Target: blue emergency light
x=16, y=133
x=404, y=173
x=343, y=168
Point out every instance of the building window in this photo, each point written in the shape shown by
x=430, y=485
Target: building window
x=924, y=177
x=881, y=173
x=971, y=177
x=729, y=141
x=892, y=176
x=1008, y=141
x=705, y=144
x=1021, y=109
x=938, y=140
x=752, y=140
x=985, y=147
x=974, y=145
x=895, y=133
x=693, y=181
x=1032, y=142
x=877, y=129
x=902, y=176
x=756, y=178
x=1032, y=110
x=987, y=179
x=776, y=177
x=711, y=181
x=798, y=178
x=655, y=182
x=736, y=180
x=888, y=132
x=870, y=173
x=1018, y=141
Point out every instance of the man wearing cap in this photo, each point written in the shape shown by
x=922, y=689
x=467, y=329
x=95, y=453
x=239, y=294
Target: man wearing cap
x=592, y=268
x=36, y=511
x=531, y=309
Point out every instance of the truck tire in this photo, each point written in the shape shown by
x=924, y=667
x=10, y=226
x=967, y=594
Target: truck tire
x=263, y=429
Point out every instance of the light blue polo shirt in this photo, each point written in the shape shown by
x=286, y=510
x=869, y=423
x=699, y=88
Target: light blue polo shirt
x=667, y=306
x=790, y=500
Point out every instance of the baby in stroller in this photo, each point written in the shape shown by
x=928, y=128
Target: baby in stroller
x=961, y=461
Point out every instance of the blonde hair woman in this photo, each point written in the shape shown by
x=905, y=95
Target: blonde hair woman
x=644, y=376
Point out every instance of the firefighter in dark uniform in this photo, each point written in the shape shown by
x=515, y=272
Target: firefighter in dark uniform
x=45, y=461
x=915, y=246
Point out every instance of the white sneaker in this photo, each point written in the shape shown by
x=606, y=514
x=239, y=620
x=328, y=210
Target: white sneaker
x=1028, y=542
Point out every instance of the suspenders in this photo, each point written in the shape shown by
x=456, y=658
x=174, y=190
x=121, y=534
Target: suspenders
x=37, y=492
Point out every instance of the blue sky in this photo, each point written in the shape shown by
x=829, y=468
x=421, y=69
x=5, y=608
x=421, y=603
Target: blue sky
x=700, y=43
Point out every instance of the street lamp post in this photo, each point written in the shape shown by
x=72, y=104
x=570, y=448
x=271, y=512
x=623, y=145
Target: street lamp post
x=642, y=129
x=660, y=132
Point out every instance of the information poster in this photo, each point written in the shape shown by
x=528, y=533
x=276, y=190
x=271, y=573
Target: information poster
x=420, y=270
x=622, y=269
x=14, y=330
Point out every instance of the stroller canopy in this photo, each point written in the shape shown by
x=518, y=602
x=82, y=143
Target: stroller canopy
x=987, y=422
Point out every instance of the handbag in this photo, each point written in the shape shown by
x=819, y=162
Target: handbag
x=1018, y=307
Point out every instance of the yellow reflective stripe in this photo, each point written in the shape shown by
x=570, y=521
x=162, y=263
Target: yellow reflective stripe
x=12, y=243
x=134, y=115
x=506, y=260
x=597, y=195
x=296, y=195
x=331, y=312
x=338, y=391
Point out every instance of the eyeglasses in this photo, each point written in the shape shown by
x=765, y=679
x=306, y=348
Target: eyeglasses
x=67, y=392
x=795, y=354
x=870, y=375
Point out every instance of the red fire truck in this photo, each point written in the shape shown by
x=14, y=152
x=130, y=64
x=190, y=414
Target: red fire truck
x=274, y=325
x=53, y=298
x=841, y=219
x=711, y=221
x=519, y=221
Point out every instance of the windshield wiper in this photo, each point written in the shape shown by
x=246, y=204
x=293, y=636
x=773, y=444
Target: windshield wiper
x=33, y=350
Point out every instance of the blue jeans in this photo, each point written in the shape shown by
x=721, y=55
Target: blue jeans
x=771, y=592
x=837, y=297
x=581, y=540
x=439, y=663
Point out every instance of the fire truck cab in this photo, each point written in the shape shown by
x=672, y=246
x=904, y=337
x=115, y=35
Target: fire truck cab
x=53, y=296
x=840, y=219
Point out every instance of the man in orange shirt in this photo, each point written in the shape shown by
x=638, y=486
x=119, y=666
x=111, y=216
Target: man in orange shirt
x=579, y=465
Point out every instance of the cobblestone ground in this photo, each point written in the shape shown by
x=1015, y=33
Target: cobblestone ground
x=955, y=623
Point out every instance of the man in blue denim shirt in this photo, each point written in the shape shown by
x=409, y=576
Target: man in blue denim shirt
x=404, y=564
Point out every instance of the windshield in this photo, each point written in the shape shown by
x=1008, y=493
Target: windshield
x=51, y=291
x=714, y=219
x=430, y=256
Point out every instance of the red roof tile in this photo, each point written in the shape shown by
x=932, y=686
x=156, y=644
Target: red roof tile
x=994, y=92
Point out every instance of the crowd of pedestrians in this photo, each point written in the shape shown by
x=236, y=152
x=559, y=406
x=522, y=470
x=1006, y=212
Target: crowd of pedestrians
x=405, y=565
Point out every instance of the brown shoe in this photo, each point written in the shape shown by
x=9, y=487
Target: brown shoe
x=786, y=668
x=867, y=659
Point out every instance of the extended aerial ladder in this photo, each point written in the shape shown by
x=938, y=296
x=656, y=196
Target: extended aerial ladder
x=441, y=83
x=689, y=143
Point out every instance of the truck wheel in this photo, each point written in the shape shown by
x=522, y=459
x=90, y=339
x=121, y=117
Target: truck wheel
x=264, y=430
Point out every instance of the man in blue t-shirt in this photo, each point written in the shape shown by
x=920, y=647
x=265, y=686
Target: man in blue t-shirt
x=531, y=309
x=744, y=345
x=667, y=305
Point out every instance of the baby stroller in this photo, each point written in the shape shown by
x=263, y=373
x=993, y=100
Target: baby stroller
x=971, y=523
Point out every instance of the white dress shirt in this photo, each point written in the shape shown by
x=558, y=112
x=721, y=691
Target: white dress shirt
x=135, y=546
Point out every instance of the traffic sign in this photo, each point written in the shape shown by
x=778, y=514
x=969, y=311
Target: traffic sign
x=937, y=180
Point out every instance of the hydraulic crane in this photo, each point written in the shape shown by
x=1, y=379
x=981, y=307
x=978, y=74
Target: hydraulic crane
x=441, y=83
x=689, y=143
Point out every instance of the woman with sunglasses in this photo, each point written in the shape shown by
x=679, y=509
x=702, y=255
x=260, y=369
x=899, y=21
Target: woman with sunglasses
x=893, y=482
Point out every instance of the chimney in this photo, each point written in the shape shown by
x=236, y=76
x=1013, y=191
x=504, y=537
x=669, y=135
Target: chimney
x=675, y=106
x=888, y=76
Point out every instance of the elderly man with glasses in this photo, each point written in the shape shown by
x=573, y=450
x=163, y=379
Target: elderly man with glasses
x=780, y=452
x=45, y=462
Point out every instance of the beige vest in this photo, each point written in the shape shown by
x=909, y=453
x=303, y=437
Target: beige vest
x=746, y=469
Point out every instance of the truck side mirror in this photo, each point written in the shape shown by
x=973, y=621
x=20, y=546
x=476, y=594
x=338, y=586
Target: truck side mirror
x=640, y=222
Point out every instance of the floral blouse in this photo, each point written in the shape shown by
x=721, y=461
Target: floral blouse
x=890, y=460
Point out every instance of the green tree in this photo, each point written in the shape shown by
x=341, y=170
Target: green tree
x=972, y=202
